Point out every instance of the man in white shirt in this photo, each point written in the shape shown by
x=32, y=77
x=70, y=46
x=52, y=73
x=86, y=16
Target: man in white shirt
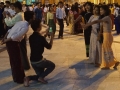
x=45, y=14
x=7, y=9
x=12, y=40
x=116, y=11
x=7, y=6
x=60, y=15
x=10, y=22
x=11, y=10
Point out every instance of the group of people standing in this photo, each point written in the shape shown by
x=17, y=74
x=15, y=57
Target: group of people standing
x=98, y=35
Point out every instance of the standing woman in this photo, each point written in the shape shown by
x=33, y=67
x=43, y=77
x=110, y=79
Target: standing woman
x=87, y=32
x=108, y=58
x=51, y=21
x=95, y=46
x=77, y=25
x=71, y=20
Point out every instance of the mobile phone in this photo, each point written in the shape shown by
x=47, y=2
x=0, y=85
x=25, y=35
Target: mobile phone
x=50, y=30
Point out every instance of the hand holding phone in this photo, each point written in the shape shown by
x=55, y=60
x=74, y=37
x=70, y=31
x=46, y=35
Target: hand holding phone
x=50, y=29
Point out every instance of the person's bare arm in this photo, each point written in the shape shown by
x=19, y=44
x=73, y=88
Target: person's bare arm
x=91, y=23
x=80, y=17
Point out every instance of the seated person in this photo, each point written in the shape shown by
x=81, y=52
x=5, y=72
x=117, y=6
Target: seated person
x=41, y=66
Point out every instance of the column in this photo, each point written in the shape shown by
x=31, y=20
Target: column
x=50, y=1
x=43, y=1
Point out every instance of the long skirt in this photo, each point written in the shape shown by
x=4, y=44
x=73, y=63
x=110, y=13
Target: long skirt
x=24, y=57
x=13, y=49
x=95, y=51
x=71, y=28
x=52, y=24
x=108, y=58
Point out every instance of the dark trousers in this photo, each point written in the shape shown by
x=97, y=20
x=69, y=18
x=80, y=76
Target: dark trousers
x=24, y=57
x=13, y=49
x=87, y=34
x=42, y=69
x=61, y=24
x=2, y=31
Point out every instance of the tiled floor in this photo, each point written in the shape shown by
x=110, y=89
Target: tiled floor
x=72, y=72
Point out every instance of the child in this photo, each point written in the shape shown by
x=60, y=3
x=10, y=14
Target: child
x=37, y=44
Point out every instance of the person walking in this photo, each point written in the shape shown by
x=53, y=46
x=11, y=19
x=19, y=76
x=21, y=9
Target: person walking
x=60, y=15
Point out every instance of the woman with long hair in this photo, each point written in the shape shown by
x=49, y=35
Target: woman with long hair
x=87, y=32
x=95, y=46
x=71, y=19
x=77, y=26
x=108, y=58
x=51, y=20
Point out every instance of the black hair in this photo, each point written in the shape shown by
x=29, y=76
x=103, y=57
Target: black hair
x=76, y=7
x=73, y=8
x=18, y=5
x=50, y=7
x=37, y=3
x=12, y=4
x=97, y=6
x=35, y=24
x=90, y=4
x=8, y=2
x=2, y=3
x=60, y=2
x=106, y=9
x=28, y=15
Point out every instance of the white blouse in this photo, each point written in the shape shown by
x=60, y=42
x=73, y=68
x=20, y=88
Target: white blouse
x=17, y=32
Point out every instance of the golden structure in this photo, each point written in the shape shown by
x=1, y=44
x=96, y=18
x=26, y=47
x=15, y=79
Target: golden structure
x=65, y=1
x=79, y=1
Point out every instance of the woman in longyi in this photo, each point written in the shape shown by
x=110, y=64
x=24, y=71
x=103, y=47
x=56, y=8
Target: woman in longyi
x=108, y=58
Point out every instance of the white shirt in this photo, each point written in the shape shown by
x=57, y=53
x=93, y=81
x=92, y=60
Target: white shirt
x=17, y=32
x=45, y=9
x=35, y=8
x=31, y=9
x=116, y=11
x=60, y=13
x=6, y=9
x=12, y=12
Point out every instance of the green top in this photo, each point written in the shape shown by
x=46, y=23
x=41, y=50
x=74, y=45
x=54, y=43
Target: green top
x=49, y=16
x=11, y=21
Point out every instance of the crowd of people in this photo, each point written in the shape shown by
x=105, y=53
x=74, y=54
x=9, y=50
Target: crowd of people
x=95, y=21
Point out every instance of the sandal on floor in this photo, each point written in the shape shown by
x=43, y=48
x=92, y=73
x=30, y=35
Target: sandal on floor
x=26, y=82
x=116, y=64
x=105, y=68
